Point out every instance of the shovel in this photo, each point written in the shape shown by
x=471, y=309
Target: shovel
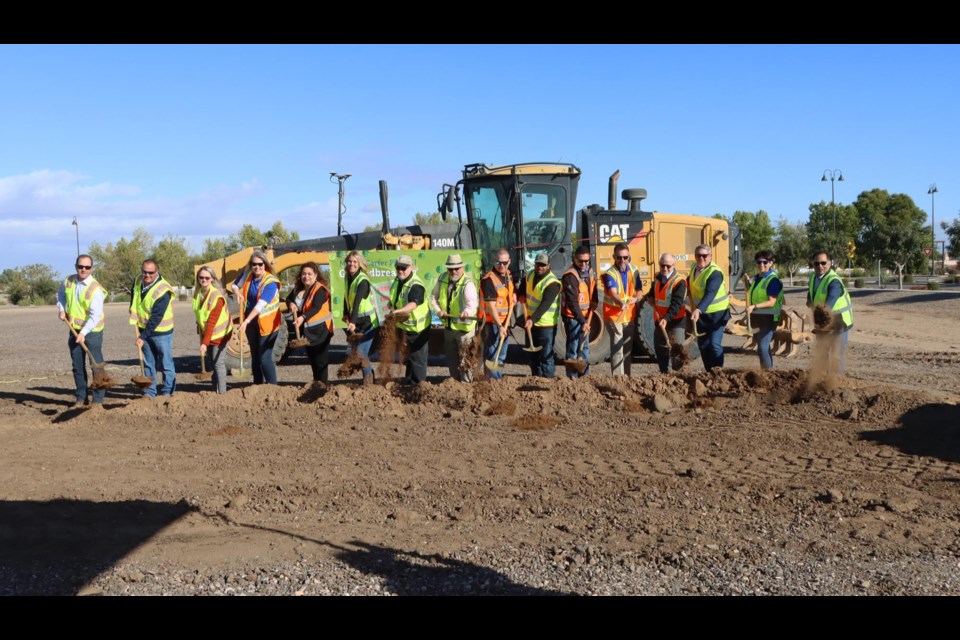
x=298, y=342
x=141, y=381
x=204, y=375
x=579, y=365
x=529, y=347
x=241, y=373
x=678, y=353
x=101, y=379
x=494, y=365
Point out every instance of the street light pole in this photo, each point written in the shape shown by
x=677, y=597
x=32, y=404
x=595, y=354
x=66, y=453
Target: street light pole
x=340, y=177
x=933, y=226
x=837, y=175
x=77, y=225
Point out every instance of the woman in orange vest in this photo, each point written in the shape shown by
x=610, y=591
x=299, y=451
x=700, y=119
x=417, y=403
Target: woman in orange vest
x=311, y=299
x=258, y=290
x=213, y=323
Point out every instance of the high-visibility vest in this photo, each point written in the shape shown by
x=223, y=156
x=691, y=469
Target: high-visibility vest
x=367, y=308
x=505, y=298
x=324, y=316
x=453, y=303
x=697, y=286
x=78, y=310
x=612, y=311
x=535, y=294
x=662, y=294
x=202, y=308
x=141, y=305
x=269, y=317
x=419, y=318
x=758, y=294
x=841, y=306
x=585, y=292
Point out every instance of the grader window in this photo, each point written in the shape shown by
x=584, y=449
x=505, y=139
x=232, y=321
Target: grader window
x=544, y=219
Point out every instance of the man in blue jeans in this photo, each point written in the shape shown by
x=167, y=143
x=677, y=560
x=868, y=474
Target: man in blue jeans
x=579, y=302
x=540, y=292
x=80, y=304
x=151, y=310
x=711, y=306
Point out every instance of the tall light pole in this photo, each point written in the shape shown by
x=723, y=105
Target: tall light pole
x=837, y=175
x=77, y=225
x=933, y=226
x=340, y=177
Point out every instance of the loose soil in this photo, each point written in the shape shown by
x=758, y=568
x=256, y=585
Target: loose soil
x=721, y=469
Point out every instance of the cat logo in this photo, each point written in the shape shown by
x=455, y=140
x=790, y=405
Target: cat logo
x=610, y=233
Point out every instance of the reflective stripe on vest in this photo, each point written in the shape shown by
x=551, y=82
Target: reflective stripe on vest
x=367, y=308
x=203, y=308
x=698, y=286
x=663, y=294
x=535, y=295
x=78, y=310
x=453, y=303
x=612, y=311
x=323, y=316
x=419, y=318
x=841, y=306
x=140, y=306
x=585, y=288
x=505, y=298
x=269, y=317
x=758, y=294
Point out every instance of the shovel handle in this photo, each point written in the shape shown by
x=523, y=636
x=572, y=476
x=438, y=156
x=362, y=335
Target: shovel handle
x=82, y=344
x=296, y=327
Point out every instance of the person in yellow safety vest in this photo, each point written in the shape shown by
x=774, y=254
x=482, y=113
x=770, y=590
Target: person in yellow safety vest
x=622, y=289
x=408, y=296
x=258, y=291
x=764, y=301
x=826, y=289
x=213, y=324
x=310, y=297
x=80, y=302
x=454, y=299
x=540, y=292
x=667, y=294
x=710, y=306
x=151, y=310
x=579, y=301
x=499, y=298
x=359, y=310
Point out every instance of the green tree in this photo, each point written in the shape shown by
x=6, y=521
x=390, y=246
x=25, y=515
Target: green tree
x=249, y=236
x=427, y=218
x=791, y=247
x=831, y=226
x=953, y=234
x=892, y=230
x=213, y=249
x=116, y=266
x=174, y=260
x=32, y=284
x=756, y=229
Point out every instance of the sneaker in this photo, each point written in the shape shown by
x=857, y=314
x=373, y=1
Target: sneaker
x=77, y=405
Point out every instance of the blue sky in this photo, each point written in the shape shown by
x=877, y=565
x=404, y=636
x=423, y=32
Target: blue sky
x=199, y=140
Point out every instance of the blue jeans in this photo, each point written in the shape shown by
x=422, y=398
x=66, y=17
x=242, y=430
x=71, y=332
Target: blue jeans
x=261, y=354
x=837, y=349
x=576, y=338
x=159, y=348
x=711, y=348
x=763, y=337
x=543, y=363
x=363, y=348
x=94, y=342
x=491, y=339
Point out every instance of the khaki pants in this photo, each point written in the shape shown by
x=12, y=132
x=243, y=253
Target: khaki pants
x=621, y=346
x=455, y=344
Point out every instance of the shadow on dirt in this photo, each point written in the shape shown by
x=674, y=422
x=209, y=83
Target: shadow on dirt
x=56, y=547
x=928, y=430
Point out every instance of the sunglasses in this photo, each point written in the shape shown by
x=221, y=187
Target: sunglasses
x=761, y=261
x=822, y=264
x=454, y=268
x=84, y=267
x=402, y=267
x=666, y=266
x=204, y=278
x=702, y=255
x=256, y=264
x=587, y=261
x=148, y=273
x=503, y=263
x=627, y=258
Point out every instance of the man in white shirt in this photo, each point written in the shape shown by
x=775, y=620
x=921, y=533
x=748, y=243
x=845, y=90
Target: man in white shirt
x=80, y=304
x=455, y=301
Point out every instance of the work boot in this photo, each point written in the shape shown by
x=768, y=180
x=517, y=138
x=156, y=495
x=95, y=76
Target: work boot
x=77, y=405
x=368, y=379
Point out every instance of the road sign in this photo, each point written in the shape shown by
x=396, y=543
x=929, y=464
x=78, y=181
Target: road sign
x=927, y=251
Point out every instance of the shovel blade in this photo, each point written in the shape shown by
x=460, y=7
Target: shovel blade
x=492, y=365
x=296, y=343
x=203, y=377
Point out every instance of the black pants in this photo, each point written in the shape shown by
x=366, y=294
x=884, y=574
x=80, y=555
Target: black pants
x=319, y=356
x=418, y=349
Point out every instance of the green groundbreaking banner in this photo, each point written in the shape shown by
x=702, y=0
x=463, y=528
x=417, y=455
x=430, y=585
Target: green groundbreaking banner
x=380, y=268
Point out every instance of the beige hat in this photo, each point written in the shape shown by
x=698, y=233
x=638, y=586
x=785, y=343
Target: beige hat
x=542, y=259
x=454, y=261
x=405, y=260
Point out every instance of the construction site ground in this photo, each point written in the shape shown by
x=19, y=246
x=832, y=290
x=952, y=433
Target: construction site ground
x=735, y=481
